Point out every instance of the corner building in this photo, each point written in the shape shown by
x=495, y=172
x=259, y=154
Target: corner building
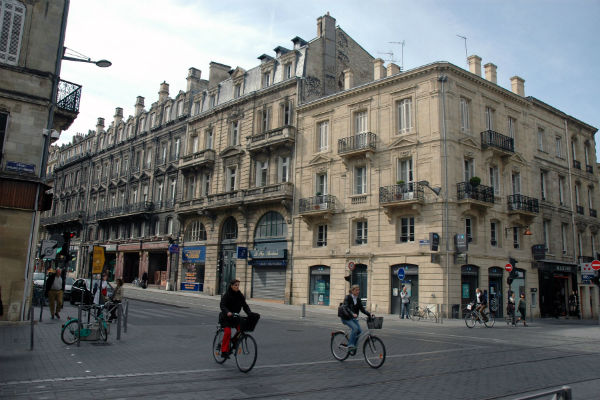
x=381, y=165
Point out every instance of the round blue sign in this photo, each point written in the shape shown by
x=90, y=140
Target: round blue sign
x=401, y=274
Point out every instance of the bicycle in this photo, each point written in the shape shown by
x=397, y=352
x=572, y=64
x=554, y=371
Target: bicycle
x=373, y=347
x=242, y=345
x=473, y=316
x=74, y=330
x=424, y=313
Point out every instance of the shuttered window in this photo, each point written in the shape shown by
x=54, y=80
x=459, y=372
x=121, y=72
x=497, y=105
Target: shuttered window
x=12, y=18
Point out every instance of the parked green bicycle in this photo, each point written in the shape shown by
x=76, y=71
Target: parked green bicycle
x=97, y=329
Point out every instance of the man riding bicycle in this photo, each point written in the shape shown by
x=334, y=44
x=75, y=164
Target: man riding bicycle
x=353, y=303
x=481, y=303
x=232, y=303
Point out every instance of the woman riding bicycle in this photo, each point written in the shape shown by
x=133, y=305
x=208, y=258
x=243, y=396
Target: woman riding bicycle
x=354, y=304
x=232, y=302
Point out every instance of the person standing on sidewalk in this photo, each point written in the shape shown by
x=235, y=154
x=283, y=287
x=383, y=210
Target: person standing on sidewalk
x=116, y=298
x=55, y=286
x=405, y=303
x=510, y=307
x=522, y=309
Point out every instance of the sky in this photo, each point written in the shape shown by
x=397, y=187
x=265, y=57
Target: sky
x=552, y=44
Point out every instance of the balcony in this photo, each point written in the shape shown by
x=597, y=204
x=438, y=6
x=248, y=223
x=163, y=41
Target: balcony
x=576, y=164
x=198, y=160
x=357, y=145
x=501, y=144
x=406, y=195
x=67, y=104
x=189, y=206
x=478, y=195
x=74, y=216
x=584, y=259
x=269, y=194
x=580, y=210
x=525, y=205
x=280, y=137
x=225, y=200
x=318, y=206
x=126, y=210
x=589, y=169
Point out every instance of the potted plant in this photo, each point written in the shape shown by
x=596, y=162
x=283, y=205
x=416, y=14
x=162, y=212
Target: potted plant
x=475, y=181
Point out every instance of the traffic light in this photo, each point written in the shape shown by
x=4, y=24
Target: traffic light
x=434, y=241
x=64, y=251
x=513, y=273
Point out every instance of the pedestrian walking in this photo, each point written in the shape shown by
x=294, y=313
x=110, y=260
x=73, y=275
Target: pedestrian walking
x=522, y=309
x=405, y=303
x=103, y=289
x=116, y=298
x=55, y=287
x=510, y=307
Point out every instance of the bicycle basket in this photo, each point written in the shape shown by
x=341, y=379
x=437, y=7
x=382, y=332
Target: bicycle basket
x=375, y=323
x=247, y=324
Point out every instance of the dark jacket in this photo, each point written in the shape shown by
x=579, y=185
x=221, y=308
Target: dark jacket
x=232, y=302
x=355, y=308
x=50, y=280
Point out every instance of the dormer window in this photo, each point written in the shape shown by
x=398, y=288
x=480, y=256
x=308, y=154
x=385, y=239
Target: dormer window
x=287, y=71
x=211, y=101
x=267, y=79
x=237, y=90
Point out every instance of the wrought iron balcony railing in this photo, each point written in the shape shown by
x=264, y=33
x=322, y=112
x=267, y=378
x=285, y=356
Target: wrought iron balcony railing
x=593, y=213
x=465, y=190
x=589, y=168
x=576, y=164
x=361, y=141
x=402, y=192
x=494, y=139
x=519, y=202
x=580, y=210
x=68, y=96
x=322, y=202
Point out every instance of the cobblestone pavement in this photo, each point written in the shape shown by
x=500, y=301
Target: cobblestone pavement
x=165, y=354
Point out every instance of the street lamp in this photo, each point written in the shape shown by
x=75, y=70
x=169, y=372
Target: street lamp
x=82, y=58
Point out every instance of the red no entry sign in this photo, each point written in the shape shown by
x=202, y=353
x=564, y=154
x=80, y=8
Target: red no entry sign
x=509, y=267
x=351, y=266
x=596, y=265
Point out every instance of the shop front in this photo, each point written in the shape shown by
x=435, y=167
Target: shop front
x=319, y=285
x=410, y=281
x=192, y=275
x=557, y=280
x=495, y=293
x=110, y=261
x=268, y=273
x=469, y=281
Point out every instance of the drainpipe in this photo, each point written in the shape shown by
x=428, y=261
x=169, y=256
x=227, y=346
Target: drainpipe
x=443, y=79
x=571, y=193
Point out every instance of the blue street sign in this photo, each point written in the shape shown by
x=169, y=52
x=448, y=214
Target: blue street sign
x=242, y=253
x=401, y=273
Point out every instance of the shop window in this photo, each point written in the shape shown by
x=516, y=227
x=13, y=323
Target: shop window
x=319, y=285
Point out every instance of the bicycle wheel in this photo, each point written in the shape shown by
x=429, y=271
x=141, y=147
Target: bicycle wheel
x=70, y=332
x=374, y=351
x=216, y=347
x=245, y=353
x=490, y=321
x=470, y=320
x=102, y=331
x=339, y=346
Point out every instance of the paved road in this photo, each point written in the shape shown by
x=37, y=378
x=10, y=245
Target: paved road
x=166, y=354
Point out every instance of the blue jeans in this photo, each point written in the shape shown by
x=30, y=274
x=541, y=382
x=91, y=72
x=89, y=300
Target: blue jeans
x=352, y=324
x=404, y=312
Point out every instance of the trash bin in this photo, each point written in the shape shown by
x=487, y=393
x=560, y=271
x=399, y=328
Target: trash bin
x=455, y=309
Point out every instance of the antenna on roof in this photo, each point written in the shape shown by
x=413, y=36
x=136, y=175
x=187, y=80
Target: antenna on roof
x=390, y=54
x=402, y=58
x=466, y=54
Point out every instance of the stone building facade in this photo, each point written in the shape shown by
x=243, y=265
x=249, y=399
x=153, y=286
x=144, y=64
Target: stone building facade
x=382, y=167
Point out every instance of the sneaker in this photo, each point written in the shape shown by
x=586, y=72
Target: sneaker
x=352, y=350
x=57, y=316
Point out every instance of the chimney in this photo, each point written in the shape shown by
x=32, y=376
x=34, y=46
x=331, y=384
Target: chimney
x=100, y=125
x=326, y=26
x=193, y=79
x=163, y=93
x=393, y=69
x=475, y=64
x=118, y=117
x=518, y=85
x=139, y=105
x=379, y=69
x=348, y=79
x=319, y=27
x=490, y=72
x=217, y=73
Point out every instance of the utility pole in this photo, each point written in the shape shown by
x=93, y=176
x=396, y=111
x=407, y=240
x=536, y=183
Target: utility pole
x=402, y=56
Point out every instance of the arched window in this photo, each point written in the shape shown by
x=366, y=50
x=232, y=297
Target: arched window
x=195, y=232
x=230, y=231
x=271, y=225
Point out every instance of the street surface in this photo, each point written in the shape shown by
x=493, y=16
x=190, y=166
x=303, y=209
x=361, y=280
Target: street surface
x=166, y=354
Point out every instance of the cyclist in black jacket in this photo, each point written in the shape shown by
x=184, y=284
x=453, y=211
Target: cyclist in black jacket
x=232, y=302
x=354, y=304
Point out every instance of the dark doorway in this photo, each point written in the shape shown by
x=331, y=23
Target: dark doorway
x=360, y=277
x=495, y=295
x=131, y=267
x=469, y=281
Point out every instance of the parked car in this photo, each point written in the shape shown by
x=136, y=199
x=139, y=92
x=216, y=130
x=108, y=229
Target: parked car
x=68, y=288
x=38, y=279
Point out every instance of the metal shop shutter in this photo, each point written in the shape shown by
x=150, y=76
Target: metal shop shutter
x=268, y=282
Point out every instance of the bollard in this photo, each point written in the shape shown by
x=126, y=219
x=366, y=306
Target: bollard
x=303, y=310
x=31, y=317
x=126, y=314
x=119, y=316
x=79, y=325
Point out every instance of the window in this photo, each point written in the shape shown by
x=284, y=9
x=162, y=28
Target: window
x=321, y=187
x=159, y=192
x=543, y=185
x=516, y=239
x=230, y=185
x=360, y=122
x=465, y=125
x=286, y=111
x=209, y=139
x=494, y=234
x=211, y=101
x=586, y=154
x=163, y=153
x=142, y=125
x=561, y=190
x=176, y=148
x=195, y=144
x=546, y=233
x=407, y=229
x=573, y=150
x=157, y=227
x=266, y=79
x=237, y=91
x=405, y=170
x=516, y=182
x=234, y=133
x=11, y=30
x=145, y=192
x=148, y=158
x=262, y=172
x=495, y=179
x=489, y=118
x=579, y=245
x=558, y=147
x=205, y=184
x=361, y=232
x=196, y=232
x=287, y=70
x=404, y=116
x=540, y=139
x=167, y=115
x=180, y=108
x=577, y=203
x=590, y=199
x=283, y=170
x=153, y=120
x=265, y=119
x=190, y=187
x=593, y=242
x=468, y=169
x=512, y=127
x=322, y=236
x=323, y=136
x=173, y=189
x=360, y=180
x=469, y=229
x=169, y=226
x=563, y=237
